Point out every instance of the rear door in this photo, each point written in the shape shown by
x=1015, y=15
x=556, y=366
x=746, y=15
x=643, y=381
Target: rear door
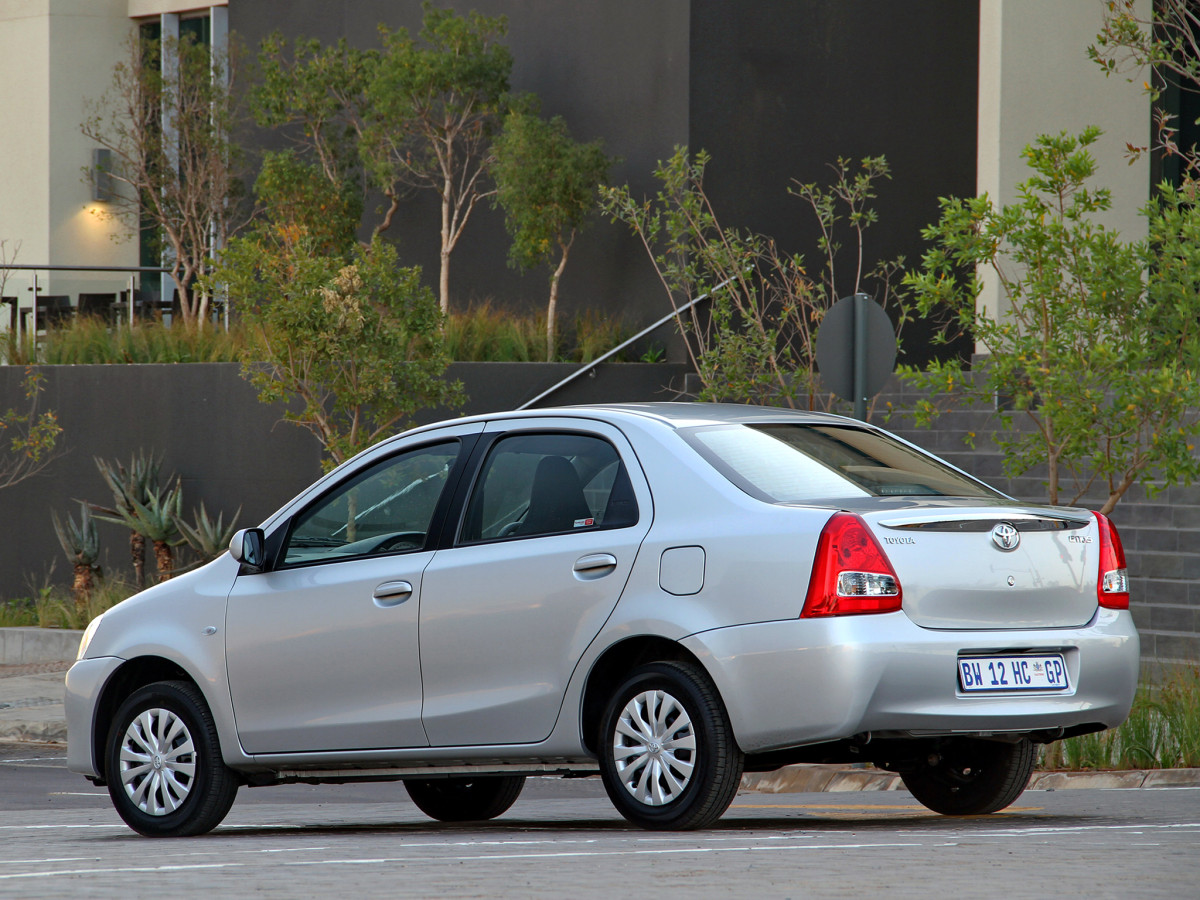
x=548, y=535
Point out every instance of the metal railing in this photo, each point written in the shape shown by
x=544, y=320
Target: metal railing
x=587, y=367
x=36, y=288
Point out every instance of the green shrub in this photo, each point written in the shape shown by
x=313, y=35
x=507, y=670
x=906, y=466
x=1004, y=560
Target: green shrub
x=1162, y=731
x=485, y=333
x=89, y=340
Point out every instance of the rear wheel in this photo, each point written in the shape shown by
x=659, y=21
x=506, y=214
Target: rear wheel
x=667, y=753
x=465, y=799
x=972, y=777
x=164, y=769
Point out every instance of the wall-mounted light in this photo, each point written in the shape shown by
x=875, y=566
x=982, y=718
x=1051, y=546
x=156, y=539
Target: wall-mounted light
x=103, y=186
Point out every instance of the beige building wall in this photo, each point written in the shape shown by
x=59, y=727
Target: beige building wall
x=53, y=55
x=1035, y=78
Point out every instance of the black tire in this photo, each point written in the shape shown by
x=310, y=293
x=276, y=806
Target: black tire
x=184, y=788
x=972, y=777
x=466, y=799
x=683, y=787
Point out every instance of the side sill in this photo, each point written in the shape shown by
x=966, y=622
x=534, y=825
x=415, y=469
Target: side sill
x=399, y=773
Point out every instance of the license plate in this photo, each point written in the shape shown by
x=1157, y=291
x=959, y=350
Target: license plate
x=1012, y=673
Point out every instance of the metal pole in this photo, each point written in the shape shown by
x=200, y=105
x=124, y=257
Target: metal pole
x=33, y=314
x=131, y=301
x=860, y=357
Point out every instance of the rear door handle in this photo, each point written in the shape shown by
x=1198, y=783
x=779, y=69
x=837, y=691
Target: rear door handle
x=594, y=565
x=392, y=593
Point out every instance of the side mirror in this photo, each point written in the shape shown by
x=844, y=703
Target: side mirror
x=248, y=547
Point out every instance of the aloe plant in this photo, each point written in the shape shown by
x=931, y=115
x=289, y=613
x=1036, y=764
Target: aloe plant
x=156, y=519
x=136, y=483
x=81, y=543
x=208, y=537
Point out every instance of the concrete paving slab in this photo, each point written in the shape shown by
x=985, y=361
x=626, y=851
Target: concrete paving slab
x=31, y=702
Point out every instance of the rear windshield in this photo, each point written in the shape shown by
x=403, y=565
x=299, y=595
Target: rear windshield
x=803, y=463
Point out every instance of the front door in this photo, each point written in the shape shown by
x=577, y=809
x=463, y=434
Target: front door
x=322, y=651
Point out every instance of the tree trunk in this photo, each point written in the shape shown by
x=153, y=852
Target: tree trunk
x=164, y=559
x=82, y=586
x=137, y=552
x=444, y=283
x=552, y=306
x=447, y=246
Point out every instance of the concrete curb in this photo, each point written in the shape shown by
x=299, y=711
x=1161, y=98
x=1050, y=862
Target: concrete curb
x=38, y=732
x=21, y=646
x=832, y=779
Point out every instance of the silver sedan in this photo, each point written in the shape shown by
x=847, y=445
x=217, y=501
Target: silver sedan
x=666, y=595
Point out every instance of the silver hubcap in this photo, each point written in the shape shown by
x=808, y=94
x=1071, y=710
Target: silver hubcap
x=158, y=762
x=654, y=748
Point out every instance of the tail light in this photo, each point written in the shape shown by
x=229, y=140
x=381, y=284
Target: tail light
x=1112, y=584
x=851, y=574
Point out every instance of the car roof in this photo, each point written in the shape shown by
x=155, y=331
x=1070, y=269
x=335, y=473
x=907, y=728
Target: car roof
x=672, y=414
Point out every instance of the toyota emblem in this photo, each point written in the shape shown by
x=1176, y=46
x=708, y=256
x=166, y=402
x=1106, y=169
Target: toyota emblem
x=1005, y=536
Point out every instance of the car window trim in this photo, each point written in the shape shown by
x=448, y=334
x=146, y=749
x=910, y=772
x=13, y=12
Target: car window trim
x=451, y=532
x=466, y=445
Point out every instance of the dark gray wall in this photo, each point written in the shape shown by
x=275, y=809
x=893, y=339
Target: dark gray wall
x=782, y=88
x=230, y=450
x=773, y=89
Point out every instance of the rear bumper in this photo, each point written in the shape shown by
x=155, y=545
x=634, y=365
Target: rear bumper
x=85, y=680
x=804, y=681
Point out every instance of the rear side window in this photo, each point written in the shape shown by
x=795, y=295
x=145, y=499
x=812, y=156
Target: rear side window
x=539, y=484
x=804, y=463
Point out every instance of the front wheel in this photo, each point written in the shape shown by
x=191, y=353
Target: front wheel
x=164, y=769
x=667, y=754
x=465, y=799
x=971, y=777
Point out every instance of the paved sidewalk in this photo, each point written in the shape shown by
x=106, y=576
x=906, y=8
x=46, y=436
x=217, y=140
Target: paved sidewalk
x=31, y=701
x=31, y=709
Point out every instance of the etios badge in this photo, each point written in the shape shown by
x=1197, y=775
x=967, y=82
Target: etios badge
x=1005, y=536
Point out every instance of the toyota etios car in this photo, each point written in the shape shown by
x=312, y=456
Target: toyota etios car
x=666, y=595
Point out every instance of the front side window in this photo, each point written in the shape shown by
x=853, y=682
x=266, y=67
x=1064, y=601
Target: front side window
x=387, y=509
x=804, y=463
x=537, y=484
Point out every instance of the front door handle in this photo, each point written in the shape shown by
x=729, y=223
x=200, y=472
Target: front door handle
x=594, y=565
x=392, y=593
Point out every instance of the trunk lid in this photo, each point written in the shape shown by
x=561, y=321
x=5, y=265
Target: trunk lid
x=991, y=567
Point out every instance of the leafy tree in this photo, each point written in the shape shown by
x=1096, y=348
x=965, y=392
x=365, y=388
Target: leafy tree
x=417, y=114
x=316, y=97
x=546, y=183
x=435, y=105
x=755, y=343
x=357, y=343
x=28, y=438
x=1161, y=45
x=173, y=155
x=1098, y=339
